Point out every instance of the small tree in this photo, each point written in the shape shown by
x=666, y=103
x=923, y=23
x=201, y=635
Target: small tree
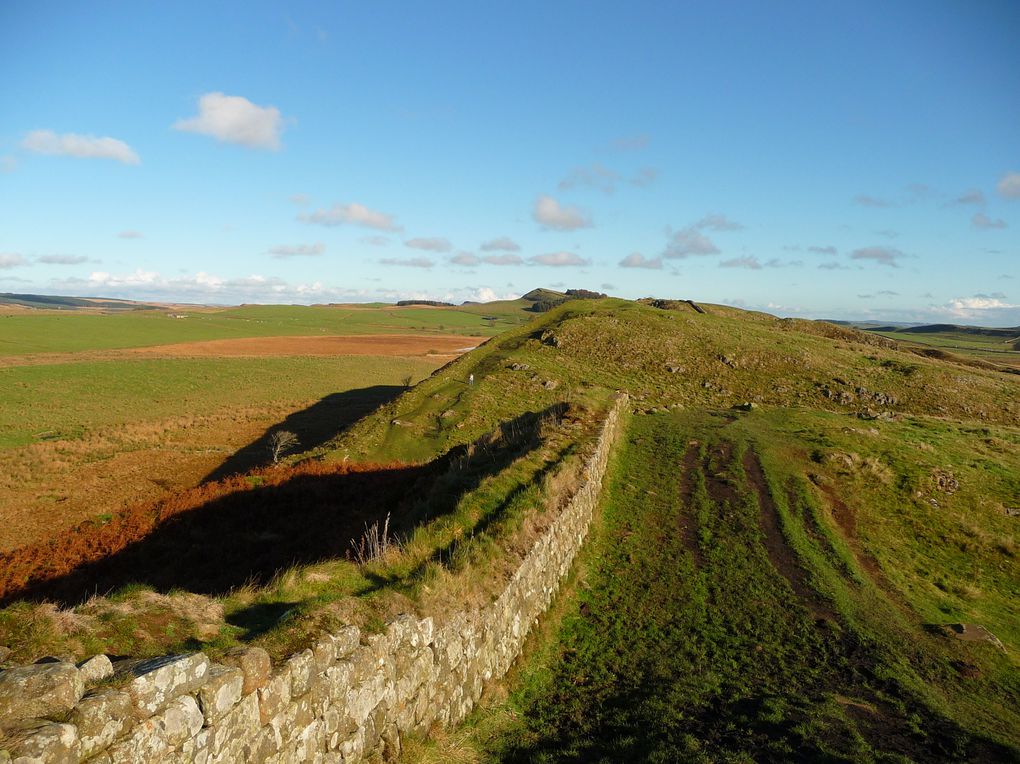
x=279, y=442
x=407, y=381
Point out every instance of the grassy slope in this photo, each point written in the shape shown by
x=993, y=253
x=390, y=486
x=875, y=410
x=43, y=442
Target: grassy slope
x=994, y=348
x=72, y=332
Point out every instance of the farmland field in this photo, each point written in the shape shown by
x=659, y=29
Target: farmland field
x=100, y=410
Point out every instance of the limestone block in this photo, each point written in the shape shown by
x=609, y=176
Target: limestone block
x=101, y=717
x=160, y=681
x=301, y=671
x=323, y=653
x=237, y=731
x=220, y=693
x=50, y=743
x=254, y=663
x=338, y=679
x=43, y=689
x=95, y=669
x=347, y=639
x=274, y=697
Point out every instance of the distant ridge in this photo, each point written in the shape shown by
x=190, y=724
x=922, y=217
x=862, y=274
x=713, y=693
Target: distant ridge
x=57, y=302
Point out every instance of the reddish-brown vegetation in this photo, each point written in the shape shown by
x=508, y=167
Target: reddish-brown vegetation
x=217, y=536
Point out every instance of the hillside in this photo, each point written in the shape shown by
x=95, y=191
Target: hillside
x=808, y=549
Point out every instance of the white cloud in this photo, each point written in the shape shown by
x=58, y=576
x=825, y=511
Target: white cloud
x=637, y=260
x=981, y=220
x=505, y=259
x=411, y=262
x=550, y=214
x=465, y=258
x=11, y=260
x=559, y=259
x=434, y=244
x=881, y=255
x=8, y=164
x=235, y=119
x=129, y=235
x=1009, y=185
x=500, y=244
x=354, y=214
x=749, y=263
x=62, y=259
x=687, y=242
x=982, y=307
x=298, y=250
x=79, y=146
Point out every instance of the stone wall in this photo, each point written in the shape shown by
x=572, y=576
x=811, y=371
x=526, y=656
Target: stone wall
x=348, y=698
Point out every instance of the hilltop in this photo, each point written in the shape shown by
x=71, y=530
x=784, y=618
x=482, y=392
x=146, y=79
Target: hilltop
x=809, y=539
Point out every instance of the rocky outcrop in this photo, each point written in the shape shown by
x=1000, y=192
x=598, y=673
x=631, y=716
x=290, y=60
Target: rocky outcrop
x=352, y=696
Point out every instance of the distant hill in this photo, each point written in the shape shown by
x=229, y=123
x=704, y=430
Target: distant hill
x=57, y=302
x=958, y=329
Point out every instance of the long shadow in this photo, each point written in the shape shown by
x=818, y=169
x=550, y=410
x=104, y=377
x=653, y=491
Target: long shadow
x=313, y=427
x=247, y=535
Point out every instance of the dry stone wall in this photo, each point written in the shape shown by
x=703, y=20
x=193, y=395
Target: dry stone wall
x=348, y=698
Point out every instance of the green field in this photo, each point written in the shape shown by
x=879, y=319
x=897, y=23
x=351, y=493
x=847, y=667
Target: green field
x=49, y=332
x=989, y=347
x=67, y=401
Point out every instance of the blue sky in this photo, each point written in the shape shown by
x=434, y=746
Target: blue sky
x=821, y=159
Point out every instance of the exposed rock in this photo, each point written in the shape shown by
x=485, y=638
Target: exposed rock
x=50, y=743
x=550, y=384
x=1012, y=511
x=159, y=681
x=255, y=665
x=945, y=481
x=102, y=717
x=520, y=366
x=746, y=406
x=45, y=689
x=972, y=632
x=220, y=693
x=95, y=669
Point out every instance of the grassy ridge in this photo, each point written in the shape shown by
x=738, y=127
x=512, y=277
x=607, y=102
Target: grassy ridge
x=724, y=617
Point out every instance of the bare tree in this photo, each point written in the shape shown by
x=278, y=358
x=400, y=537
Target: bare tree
x=407, y=381
x=280, y=442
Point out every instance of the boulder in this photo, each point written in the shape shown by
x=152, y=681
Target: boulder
x=159, y=681
x=43, y=689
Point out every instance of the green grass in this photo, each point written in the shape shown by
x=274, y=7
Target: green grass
x=73, y=332
x=70, y=400
x=685, y=643
x=988, y=347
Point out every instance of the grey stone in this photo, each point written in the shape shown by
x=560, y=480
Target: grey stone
x=45, y=689
x=274, y=697
x=159, y=681
x=101, y=717
x=220, y=693
x=49, y=743
x=96, y=669
x=302, y=667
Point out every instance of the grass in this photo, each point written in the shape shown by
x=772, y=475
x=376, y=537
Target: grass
x=693, y=637
x=997, y=349
x=49, y=332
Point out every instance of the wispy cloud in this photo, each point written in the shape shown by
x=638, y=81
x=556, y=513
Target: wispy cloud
x=301, y=200
x=646, y=176
x=559, y=259
x=864, y=200
x=982, y=221
x=434, y=244
x=637, y=260
x=468, y=259
x=500, y=244
x=596, y=176
x=832, y=266
x=716, y=222
x=235, y=119
x=130, y=235
x=552, y=215
x=8, y=164
x=411, y=262
x=79, y=146
x=881, y=255
x=375, y=241
x=691, y=241
x=283, y=251
x=352, y=214
x=62, y=259
x=504, y=259
x=974, y=196
x=749, y=262
x=828, y=250
x=1009, y=185
x=637, y=142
